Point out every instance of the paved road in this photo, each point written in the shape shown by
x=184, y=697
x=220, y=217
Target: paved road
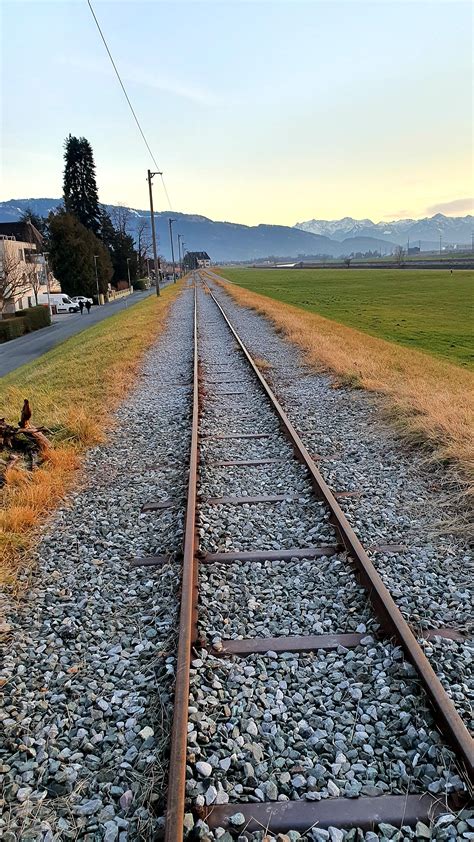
x=27, y=348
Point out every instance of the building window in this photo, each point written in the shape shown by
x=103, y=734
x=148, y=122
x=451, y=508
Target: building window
x=20, y=304
x=30, y=301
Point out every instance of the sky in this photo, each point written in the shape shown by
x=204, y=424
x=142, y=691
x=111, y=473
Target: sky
x=273, y=112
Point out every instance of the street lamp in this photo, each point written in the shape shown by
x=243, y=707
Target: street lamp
x=184, y=252
x=96, y=257
x=128, y=271
x=45, y=255
x=153, y=233
x=170, y=222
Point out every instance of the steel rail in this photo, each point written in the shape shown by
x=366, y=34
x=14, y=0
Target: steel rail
x=179, y=733
x=387, y=611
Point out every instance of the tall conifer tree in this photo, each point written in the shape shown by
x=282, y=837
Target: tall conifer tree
x=73, y=250
x=80, y=188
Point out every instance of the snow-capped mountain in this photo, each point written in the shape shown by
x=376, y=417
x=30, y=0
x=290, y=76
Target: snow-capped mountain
x=337, y=229
x=452, y=229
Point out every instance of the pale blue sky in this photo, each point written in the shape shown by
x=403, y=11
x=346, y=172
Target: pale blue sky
x=256, y=112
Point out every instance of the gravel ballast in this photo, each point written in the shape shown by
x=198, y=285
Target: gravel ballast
x=252, y=599
x=350, y=723
x=88, y=678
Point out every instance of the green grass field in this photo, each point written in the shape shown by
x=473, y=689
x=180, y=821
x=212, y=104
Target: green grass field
x=431, y=310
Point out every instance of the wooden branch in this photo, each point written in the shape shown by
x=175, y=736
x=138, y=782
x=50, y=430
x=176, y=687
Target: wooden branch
x=22, y=440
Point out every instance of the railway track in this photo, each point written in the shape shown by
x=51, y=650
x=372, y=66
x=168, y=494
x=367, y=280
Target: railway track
x=229, y=763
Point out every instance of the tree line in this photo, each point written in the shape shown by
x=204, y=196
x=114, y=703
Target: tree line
x=81, y=236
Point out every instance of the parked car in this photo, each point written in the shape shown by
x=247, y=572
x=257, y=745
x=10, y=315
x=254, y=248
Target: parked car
x=60, y=301
x=78, y=298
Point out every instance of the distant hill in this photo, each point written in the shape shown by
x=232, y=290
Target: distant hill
x=12, y=210
x=454, y=230
x=364, y=243
x=227, y=241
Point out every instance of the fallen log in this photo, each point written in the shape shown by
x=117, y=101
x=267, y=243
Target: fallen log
x=22, y=441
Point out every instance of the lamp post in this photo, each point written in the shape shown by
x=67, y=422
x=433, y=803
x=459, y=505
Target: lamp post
x=128, y=271
x=170, y=223
x=153, y=233
x=96, y=256
x=184, y=252
x=45, y=255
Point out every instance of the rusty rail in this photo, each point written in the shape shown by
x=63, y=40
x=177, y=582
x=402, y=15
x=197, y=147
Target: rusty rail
x=179, y=733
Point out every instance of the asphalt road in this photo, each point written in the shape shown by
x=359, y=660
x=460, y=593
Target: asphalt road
x=26, y=348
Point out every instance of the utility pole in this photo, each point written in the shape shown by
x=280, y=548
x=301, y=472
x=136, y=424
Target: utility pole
x=128, y=271
x=179, y=254
x=170, y=222
x=97, y=278
x=153, y=233
x=184, y=252
x=440, y=240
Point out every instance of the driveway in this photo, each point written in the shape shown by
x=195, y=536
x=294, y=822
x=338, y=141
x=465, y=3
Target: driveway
x=26, y=348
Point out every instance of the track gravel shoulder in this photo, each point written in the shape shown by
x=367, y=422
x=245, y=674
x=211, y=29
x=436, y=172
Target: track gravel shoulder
x=88, y=677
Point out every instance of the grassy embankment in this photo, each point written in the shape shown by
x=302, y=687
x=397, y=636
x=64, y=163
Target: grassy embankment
x=429, y=397
x=73, y=391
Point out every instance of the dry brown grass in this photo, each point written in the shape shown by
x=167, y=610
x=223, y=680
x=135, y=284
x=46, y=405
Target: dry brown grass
x=73, y=391
x=262, y=364
x=430, y=401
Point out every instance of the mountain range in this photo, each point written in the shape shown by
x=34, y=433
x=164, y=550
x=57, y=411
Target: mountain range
x=229, y=241
x=452, y=230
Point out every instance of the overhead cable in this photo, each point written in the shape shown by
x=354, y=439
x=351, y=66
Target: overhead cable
x=129, y=102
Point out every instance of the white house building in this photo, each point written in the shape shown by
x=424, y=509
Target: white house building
x=22, y=267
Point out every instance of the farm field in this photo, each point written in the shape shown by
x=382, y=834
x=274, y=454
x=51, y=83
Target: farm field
x=430, y=310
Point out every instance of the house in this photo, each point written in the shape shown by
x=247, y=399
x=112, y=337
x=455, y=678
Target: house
x=22, y=267
x=197, y=260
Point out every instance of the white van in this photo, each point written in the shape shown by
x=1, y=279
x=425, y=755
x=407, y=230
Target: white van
x=60, y=301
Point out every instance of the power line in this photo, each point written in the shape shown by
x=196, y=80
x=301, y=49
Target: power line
x=128, y=101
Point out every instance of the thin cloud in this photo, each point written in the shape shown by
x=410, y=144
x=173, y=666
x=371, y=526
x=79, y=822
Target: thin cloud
x=399, y=214
x=158, y=81
x=455, y=206
x=170, y=86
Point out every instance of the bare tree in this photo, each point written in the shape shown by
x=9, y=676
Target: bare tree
x=121, y=217
x=143, y=246
x=400, y=255
x=14, y=280
x=34, y=278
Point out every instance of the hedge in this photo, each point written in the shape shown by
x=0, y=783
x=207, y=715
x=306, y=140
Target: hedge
x=11, y=328
x=35, y=317
x=141, y=283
